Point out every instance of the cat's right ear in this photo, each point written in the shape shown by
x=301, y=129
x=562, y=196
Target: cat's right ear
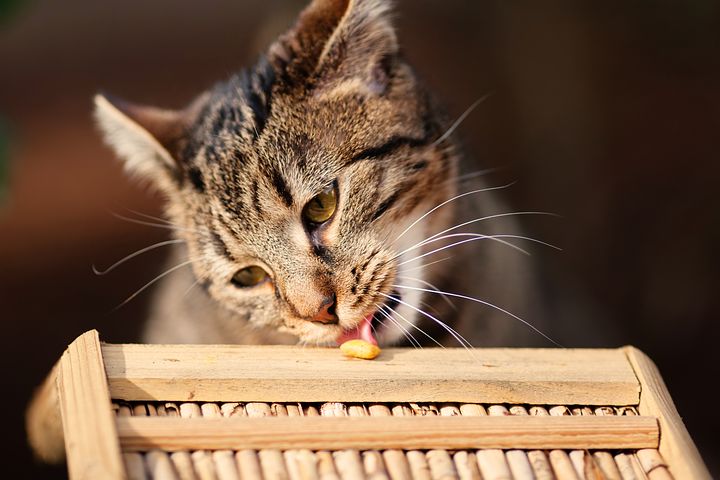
x=146, y=138
x=338, y=40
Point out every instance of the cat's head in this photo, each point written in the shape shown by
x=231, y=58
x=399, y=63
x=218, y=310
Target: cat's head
x=291, y=181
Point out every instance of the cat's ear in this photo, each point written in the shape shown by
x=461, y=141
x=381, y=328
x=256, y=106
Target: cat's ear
x=146, y=138
x=338, y=40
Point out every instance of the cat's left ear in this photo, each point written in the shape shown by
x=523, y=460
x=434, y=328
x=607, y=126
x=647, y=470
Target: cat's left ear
x=148, y=139
x=340, y=40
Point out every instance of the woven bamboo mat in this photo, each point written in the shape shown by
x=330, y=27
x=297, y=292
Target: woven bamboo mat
x=488, y=464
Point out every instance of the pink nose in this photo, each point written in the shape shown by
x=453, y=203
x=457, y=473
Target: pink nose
x=326, y=312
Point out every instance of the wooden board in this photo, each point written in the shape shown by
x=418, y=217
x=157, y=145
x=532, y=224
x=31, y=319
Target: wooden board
x=676, y=446
x=338, y=433
x=280, y=373
x=91, y=441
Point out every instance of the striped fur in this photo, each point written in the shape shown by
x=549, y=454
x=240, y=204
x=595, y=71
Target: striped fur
x=331, y=101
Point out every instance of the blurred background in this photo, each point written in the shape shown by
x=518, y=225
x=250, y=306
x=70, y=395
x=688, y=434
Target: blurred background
x=607, y=113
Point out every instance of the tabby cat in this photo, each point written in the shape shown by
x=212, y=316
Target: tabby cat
x=312, y=196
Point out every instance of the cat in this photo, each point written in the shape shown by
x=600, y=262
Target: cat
x=311, y=198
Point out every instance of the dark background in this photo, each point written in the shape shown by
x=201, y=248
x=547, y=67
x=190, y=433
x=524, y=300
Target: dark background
x=607, y=113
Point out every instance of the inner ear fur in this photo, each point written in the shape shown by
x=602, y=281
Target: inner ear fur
x=147, y=139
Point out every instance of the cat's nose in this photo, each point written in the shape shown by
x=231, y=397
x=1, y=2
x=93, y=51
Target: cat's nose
x=326, y=312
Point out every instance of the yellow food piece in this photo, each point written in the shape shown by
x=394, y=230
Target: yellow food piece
x=360, y=349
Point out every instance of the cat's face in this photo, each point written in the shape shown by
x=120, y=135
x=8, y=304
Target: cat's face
x=292, y=182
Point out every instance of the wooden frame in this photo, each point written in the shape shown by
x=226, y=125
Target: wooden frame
x=79, y=390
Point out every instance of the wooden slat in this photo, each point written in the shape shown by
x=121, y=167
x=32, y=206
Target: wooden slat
x=338, y=433
x=43, y=423
x=294, y=374
x=91, y=444
x=676, y=446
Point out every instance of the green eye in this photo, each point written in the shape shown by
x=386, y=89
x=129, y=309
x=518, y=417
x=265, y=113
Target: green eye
x=249, y=277
x=322, y=206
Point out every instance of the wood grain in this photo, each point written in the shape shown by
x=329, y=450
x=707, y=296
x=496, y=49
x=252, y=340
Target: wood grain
x=43, y=423
x=91, y=443
x=338, y=433
x=676, y=446
x=294, y=374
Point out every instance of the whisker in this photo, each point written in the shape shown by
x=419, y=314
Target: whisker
x=427, y=264
x=147, y=285
x=197, y=281
x=402, y=329
x=474, y=239
x=447, y=300
x=156, y=225
x=475, y=236
x=456, y=197
x=374, y=330
x=444, y=325
x=150, y=217
x=475, y=220
x=133, y=255
x=483, y=303
x=479, y=236
x=478, y=173
x=460, y=119
x=490, y=217
x=408, y=336
x=415, y=326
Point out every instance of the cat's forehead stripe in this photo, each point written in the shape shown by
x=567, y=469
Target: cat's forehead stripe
x=258, y=92
x=281, y=187
x=389, y=147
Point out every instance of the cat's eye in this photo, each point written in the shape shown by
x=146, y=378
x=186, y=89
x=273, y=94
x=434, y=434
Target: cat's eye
x=250, y=277
x=322, y=206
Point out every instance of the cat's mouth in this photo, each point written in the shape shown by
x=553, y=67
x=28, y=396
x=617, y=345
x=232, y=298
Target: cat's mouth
x=371, y=325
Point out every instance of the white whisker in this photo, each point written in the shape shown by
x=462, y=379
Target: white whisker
x=483, y=303
x=415, y=327
x=426, y=264
x=444, y=325
x=156, y=225
x=147, y=285
x=475, y=220
x=150, y=217
x=474, y=239
x=191, y=287
x=447, y=300
x=460, y=119
x=402, y=329
x=133, y=255
x=478, y=173
x=490, y=217
x=475, y=236
x=456, y=197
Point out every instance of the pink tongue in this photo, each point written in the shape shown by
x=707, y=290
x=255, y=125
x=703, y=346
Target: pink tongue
x=363, y=332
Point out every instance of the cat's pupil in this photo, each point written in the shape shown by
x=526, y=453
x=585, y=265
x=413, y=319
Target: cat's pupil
x=249, y=277
x=322, y=206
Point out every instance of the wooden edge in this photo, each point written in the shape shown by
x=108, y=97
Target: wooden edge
x=676, y=445
x=409, y=433
x=241, y=373
x=43, y=424
x=91, y=443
